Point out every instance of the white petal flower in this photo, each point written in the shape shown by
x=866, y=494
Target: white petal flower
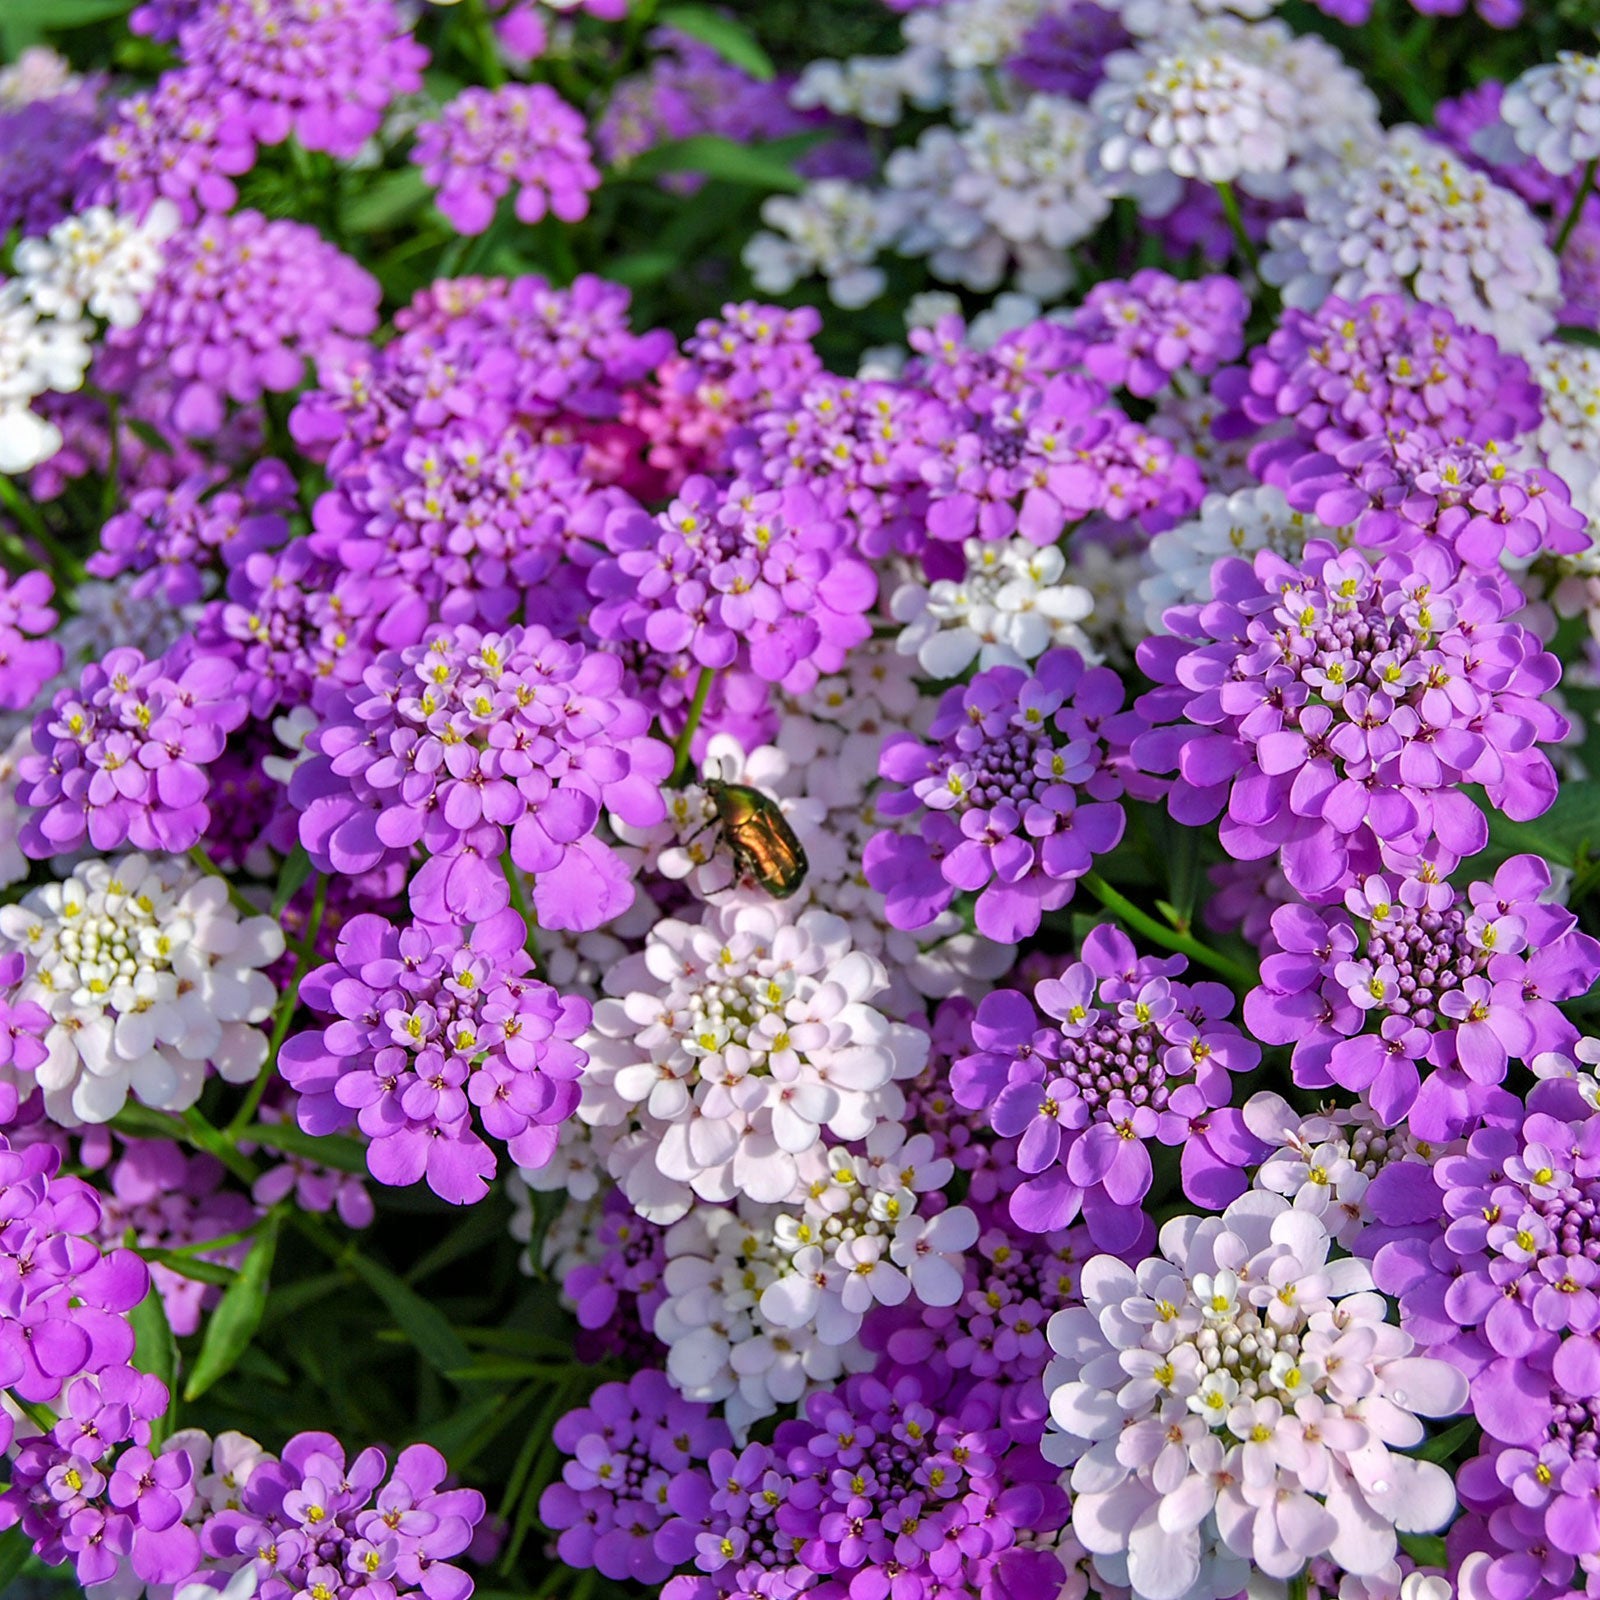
x=1553, y=112
x=160, y=936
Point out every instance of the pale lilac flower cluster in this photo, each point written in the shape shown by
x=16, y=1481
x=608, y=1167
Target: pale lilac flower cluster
x=1332, y=710
x=1122, y=1056
x=1142, y=333
x=439, y=1031
x=726, y=1048
x=1239, y=1403
x=1013, y=799
x=488, y=141
x=453, y=745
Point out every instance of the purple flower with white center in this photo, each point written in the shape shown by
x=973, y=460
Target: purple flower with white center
x=739, y=576
x=243, y=305
x=1238, y=1402
x=629, y=1449
x=185, y=140
x=27, y=661
x=1413, y=976
x=122, y=758
x=1013, y=799
x=324, y=71
x=1142, y=333
x=1334, y=710
x=450, y=746
x=106, y=1514
x=1122, y=1054
x=314, y=1523
x=439, y=1032
x=489, y=140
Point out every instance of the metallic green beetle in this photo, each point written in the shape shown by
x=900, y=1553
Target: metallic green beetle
x=758, y=836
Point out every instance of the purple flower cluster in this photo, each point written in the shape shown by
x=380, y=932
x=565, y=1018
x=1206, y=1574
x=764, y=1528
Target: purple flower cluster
x=489, y=141
x=80, y=1498
x=1064, y=50
x=1138, y=335
x=323, y=71
x=1333, y=710
x=1384, y=367
x=689, y=89
x=316, y=1525
x=629, y=1447
x=617, y=1295
x=881, y=1486
x=123, y=757
x=1012, y=800
x=438, y=1031
x=1122, y=1055
x=1412, y=973
x=182, y=141
x=243, y=304
x=172, y=538
x=446, y=746
x=48, y=166
x=1494, y=1255
x=27, y=661
x=740, y=576
x=64, y=1304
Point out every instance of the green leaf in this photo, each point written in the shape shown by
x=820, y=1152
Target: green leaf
x=24, y=22
x=326, y=1149
x=292, y=875
x=1561, y=836
x=233, y=1324
x=15, y=1548
x=1444, y=1445
x=384, y=200
x=156, y=1351
x=187, y=1266
x=1427, y=1550
x=1572, y=334
x=727, y=37
x=425, y=1326
x=755, y=166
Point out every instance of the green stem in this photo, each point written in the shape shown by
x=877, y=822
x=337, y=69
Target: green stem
x=198, y=855
x=1236, y=972
x=41, y=1416
x=215, y=1142
x=1579, y=200
x=681, y=756
x=1230, y=205
x=67, y=569
x=245, y=1115
x=487, y=47
x=1300, y=1585
x=519, y=902
x=108, y=495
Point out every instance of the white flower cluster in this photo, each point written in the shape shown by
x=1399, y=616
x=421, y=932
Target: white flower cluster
x=766, y=1302
x=98, y=264
x=1179, y=561
x=38, y=73
x=1569, y=431
x=1240, y=1402
x=974, y=34
x=1413, y=216
x=874, y=89
x=1013, y=604
x=727, y=1047
x=1149, y=18
x=1553, y=112
x=719, y=1345
x=1190, y=108
x=834, y=228
x=149, y=977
